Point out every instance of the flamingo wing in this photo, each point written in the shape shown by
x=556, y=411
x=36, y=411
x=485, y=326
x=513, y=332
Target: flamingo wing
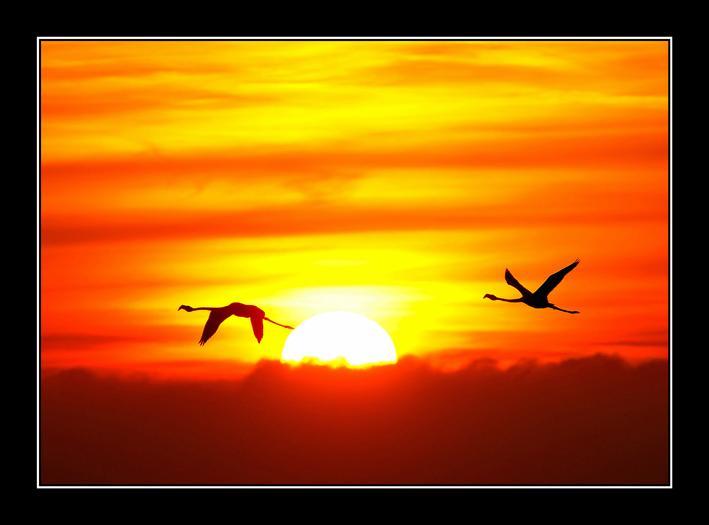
x=516, y=284
x=216, y=317
x=554, y=279
x=257, y=326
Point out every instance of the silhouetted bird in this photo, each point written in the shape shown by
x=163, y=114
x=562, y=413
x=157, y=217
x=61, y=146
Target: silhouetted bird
x=217, y=315
x=537, y=299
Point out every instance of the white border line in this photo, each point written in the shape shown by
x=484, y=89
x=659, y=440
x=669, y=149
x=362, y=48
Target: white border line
x=668, y=39
x=37, y=357
x=669, y=228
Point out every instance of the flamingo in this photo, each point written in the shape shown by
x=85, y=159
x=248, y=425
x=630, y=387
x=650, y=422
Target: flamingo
x=217, y=315
x=537, y=299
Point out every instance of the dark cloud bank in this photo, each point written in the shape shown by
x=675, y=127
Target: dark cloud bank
x=595, y=420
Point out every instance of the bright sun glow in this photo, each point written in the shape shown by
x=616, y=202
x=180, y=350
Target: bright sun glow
x=334, y=337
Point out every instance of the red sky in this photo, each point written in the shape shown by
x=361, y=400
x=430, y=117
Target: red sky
x=393, y=179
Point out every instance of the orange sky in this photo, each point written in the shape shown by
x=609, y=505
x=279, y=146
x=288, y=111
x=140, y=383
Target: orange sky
x=393, y=179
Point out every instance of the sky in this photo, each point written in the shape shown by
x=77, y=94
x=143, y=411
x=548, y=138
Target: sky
x=393, y=179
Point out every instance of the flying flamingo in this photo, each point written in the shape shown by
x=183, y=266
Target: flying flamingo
x=217, y=315
x=537, y=299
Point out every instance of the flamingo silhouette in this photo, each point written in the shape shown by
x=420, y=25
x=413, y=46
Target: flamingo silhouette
x=539, y=298
x=217, y=315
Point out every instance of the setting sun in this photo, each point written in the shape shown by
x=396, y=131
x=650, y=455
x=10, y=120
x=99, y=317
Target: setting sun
x=335, y=337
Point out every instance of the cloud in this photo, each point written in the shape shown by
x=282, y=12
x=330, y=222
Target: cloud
x=154, y=101
x=596, y=420
x=641, y=339
x=475, y=66
x=414, y=71
x=522, y=147
x=284, y=220
x=79, y=340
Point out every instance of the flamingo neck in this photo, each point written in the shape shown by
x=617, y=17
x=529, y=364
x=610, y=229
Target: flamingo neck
x=518, y=300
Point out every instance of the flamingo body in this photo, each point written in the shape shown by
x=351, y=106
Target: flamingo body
x=217, y=315
x=539, y=298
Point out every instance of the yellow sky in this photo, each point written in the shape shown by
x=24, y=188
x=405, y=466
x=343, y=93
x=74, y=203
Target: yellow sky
x=393, y=179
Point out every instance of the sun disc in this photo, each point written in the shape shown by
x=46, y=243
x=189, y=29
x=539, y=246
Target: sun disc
x=333, y=337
